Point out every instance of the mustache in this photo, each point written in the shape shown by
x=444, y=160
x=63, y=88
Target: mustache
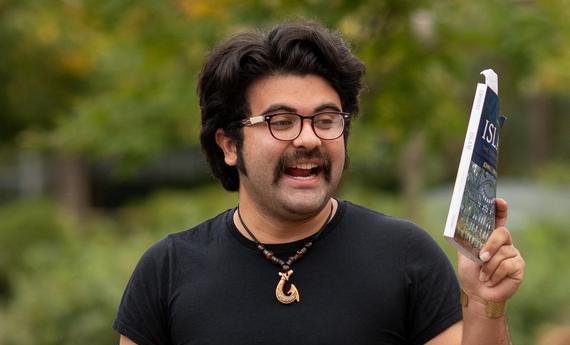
x=289, y=159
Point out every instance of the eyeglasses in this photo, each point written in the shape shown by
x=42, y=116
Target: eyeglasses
x=327, y=125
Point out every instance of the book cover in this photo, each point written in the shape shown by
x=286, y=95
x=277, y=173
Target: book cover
x=471, y=217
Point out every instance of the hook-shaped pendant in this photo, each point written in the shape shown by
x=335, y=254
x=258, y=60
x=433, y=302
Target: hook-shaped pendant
x=292, y=295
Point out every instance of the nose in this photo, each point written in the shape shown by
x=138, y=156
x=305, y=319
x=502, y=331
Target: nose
x=307, y=138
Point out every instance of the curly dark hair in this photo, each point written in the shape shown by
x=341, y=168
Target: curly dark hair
x=298, y=47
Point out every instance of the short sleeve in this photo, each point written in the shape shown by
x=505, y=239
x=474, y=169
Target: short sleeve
x=433, y=294
x=142, y=314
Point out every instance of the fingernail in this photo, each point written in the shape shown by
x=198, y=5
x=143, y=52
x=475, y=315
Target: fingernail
x=482, y=277
x=485, y=256
x=488, y=284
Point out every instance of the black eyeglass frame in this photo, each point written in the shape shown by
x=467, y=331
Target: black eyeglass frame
x=267, y=118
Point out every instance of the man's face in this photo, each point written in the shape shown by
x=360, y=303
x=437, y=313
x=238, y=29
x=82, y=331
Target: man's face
x=290, y=179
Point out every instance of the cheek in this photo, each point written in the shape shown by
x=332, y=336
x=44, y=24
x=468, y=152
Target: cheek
x=337, y=153
x=262, y=150
x=341, y=161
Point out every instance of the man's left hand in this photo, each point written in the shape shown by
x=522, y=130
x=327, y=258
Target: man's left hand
x=502, y=271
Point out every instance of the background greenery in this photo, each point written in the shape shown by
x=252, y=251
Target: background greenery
x=98, y=93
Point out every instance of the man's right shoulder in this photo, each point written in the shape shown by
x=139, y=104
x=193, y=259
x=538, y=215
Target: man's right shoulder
x=206, y=230
x=196, y=236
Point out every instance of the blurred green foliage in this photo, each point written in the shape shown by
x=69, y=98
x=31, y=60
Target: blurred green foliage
x=543, y=297
x=175, y=210
x=25, y=224
x=116, y=79
x=555, y=173
x=70, y=293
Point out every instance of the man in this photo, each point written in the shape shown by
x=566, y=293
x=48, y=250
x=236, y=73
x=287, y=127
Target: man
x=276, y=111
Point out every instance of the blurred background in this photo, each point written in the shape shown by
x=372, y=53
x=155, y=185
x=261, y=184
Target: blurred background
x=99, y=153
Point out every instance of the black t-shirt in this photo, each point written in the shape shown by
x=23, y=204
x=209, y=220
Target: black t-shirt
x=369, y=279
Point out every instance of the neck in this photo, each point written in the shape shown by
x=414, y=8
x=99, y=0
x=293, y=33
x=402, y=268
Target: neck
x=270, y=229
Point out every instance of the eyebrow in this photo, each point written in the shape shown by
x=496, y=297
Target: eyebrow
x=284, y=107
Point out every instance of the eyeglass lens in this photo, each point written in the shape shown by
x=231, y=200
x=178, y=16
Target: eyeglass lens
x=326, y=125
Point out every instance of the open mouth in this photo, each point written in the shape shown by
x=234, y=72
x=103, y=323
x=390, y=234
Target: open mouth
x=301, y=165
x=303, y=171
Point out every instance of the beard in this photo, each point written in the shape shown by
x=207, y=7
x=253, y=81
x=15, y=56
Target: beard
x=268, y=185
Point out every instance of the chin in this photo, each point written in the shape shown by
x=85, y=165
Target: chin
x=306, y=205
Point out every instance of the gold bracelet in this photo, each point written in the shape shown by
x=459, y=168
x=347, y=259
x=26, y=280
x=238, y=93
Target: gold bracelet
x=493, y=310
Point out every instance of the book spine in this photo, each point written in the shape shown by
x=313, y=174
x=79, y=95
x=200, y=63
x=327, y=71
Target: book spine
x=464, y=163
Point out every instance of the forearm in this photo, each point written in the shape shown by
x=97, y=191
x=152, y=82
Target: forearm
x=480, y=329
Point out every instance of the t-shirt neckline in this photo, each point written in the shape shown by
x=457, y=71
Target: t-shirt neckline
x=284, y=247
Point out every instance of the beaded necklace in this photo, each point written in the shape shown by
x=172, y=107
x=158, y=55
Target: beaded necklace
x=286, y=271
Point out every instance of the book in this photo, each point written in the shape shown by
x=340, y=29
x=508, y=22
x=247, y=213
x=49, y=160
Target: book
x=471, y=217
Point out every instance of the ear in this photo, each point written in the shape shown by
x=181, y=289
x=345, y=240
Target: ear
x=228, y=146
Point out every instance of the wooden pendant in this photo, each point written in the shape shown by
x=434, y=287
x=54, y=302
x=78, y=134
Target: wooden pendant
x=292, y=295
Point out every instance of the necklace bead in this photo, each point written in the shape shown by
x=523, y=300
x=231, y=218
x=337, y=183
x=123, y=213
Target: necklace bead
x=269, y=255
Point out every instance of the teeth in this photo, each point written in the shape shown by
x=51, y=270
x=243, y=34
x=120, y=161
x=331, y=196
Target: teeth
x=305, y=166
x=303, y=177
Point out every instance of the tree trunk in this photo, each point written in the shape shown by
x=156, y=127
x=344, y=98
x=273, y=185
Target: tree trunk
x=411, y=169
x=73, y=187
x=539, y=129
x=31, y=174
